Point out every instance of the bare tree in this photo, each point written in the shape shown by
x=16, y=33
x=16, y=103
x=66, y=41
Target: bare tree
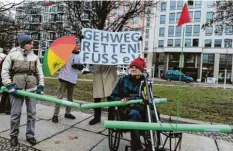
x=8, y=27
x=222, y=17
x=104, y=14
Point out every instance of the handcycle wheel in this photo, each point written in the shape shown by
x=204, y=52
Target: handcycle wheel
x=114, y=134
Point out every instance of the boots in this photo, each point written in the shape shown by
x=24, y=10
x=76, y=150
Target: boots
x=97, y=117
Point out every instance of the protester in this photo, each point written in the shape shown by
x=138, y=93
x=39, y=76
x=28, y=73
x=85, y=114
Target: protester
x=127, y=88
x=104, y=81
x=22, y=70
x=5, y=102
x=68, y=75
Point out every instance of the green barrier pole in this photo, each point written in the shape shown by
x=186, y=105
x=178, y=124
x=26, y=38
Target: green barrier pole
x=45, y=98
x=119, y=103
x=168, y=126
x=83, y=106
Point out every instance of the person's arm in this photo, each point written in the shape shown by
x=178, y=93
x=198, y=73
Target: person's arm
x=76, y=63
x=5, y=73
x=40, y=75
x=116, y=93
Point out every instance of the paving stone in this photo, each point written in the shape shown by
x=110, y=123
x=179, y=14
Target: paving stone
x=99, y=127
x=47, y=113
x=79, y=117
x=72, y=140
x=103, y=146
x=5, y=121
x=6, y=146
x=200, y=143
x=44, y=130
x=224, y=145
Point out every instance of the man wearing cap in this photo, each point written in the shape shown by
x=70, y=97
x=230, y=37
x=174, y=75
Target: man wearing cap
x=128, y=88
x=22, y=70
x=68, y=75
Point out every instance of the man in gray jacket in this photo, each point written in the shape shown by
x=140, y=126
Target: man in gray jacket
x=22, y=70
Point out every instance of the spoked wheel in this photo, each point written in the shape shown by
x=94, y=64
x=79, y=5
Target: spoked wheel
x=114, y=134
x=157, y=140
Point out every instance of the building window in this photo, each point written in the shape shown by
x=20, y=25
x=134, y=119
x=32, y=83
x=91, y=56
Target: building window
x=196, y=30
x=228, y=43
x=146, y=45
x=208, y=58
x=172, y=5
x=136, y=20
x=195, y=42
x=180, y=4
x=209, y=16
x=161, y=32
x=170, y=43
x=171, y=31
x=177, y=43
x=187, y=42
x=218, y=30
x=218, y=43
x=161, y=43
x=188, y=31
x=208, y=31
x=197, y=16
x=177, y=16
x=148, y=22
x=197, y=3
x=162, y=19
x=172, y=18
x=208, y=43
x=225, y=59
x=210, y=3
x=147, y=33
x=190, y=4
x=46, y=18
x=163, y=6
x=178, y=31
x=191, y=15
x=228, y=30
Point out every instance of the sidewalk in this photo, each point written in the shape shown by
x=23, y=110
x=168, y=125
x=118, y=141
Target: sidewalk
x=77, y=135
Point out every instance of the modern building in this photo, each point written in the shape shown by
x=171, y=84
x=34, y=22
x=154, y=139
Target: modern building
x=44, y=23
x=207, y=53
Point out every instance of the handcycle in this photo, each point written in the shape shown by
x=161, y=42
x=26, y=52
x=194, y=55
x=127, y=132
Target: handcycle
x=152, y=139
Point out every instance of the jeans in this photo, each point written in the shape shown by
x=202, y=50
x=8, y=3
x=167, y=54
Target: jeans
x=16, y=107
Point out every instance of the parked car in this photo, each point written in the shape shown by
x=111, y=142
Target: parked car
x=175, y=75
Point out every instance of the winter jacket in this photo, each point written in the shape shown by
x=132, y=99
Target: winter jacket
x=104, y=80
x=24, y=71
x=127, y=87
x=67, y=72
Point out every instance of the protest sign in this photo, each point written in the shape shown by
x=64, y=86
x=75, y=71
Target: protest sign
x=109, y=48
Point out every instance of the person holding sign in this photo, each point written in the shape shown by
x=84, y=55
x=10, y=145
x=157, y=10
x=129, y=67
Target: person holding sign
x=68, y=78
x=128, y=88
x=104, y=80
x=105, y=50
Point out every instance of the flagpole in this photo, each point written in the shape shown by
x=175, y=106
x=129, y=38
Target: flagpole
x=180, y=76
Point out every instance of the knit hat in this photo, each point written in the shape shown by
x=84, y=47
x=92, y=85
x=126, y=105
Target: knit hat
x=24, y=39
x=139, y=63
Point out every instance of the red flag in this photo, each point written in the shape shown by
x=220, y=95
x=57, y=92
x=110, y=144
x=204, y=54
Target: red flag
x=184, y=17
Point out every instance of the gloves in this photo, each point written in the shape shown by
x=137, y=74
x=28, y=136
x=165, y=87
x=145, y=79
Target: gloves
x=12, y=89
x=78, y=66
x=40, y=90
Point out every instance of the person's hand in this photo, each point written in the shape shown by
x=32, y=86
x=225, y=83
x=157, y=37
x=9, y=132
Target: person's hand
x=78, y=66
x=40, y=89
x=12, y=89
x=124, y=100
